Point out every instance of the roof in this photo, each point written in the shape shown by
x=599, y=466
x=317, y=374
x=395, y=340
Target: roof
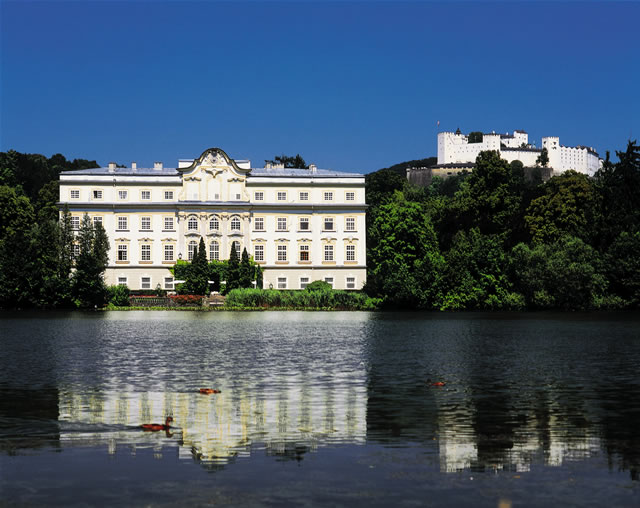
x=259, y=172
x=124, y=172
x=295, y=172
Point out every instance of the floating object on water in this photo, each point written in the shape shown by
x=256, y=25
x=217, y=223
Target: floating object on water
x=153, y=427
x=208, y=391
x=437, y=384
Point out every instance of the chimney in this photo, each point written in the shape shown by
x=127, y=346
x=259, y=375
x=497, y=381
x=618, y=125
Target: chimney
x=157, y=166
x=112, y=167
x=134, y=165
x=312, y=168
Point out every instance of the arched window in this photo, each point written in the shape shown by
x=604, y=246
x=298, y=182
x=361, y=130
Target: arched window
x=193, y=245
x=235, y=224
x=214, y=251
x=235, y=245
x=214, y=224
x=192, y=224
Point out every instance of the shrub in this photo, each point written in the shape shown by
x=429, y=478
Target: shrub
x=309, y=299
x=119, y=295
x=187, y=300
x=319, y=285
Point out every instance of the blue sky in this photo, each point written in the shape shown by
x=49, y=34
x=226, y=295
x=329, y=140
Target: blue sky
x=351, y=86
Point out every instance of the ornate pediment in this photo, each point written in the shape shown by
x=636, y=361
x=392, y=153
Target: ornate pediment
x=214, y=158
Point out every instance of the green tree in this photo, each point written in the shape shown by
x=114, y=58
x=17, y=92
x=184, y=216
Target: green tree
x=257, y=274
x=474, y=276
x=405, y=261
x=233, y=270
x=566, y=207
x=622, y=267
x=543, y=158
x=619, y=188
x=289, y=162
x=88, y=287
x=195, y=273
x=475, y=137
x=489, y=199
x=563, y=275
x=245, y=271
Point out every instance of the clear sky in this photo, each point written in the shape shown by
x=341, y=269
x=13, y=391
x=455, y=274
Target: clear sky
x=351, y=86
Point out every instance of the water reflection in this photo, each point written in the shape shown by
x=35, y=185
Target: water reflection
x=295, y=419
x=520, y=392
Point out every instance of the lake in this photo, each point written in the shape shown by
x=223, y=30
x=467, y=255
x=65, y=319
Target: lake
x=320, y=408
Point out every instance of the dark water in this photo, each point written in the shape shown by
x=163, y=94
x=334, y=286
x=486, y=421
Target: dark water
x=320, y=409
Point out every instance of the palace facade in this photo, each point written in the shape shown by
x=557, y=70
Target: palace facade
x=300, y=225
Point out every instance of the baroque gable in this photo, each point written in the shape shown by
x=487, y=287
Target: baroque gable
x=213, y=176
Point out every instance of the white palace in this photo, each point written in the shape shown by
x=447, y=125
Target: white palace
x=300, y=225
x=454, y=148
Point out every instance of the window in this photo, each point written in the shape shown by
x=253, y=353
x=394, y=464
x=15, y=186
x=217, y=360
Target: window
x=145, y=223
x=350, y=224
x=168, y=252
x=168, y=223
x=193, y=245
x=282, y=224
x=235, y=224
x=238, y=196
x=329, y=280
x=236, y=245
x=145, y=195
x=282, y=195
x=192, y=224
x=304, y=282
x=168, y=282
x=75, y=222
x=145, y=282
x=258, y=224
x=351, y=282
x=304, y=224
x=123, y=223
x=304, y=253
x=304, y=196
x=328, y=252
x=258, y=252
x=97, y=194
x=282, y=253
x=122, y=281
x=351, y=252
x=328, y=223
x=122, y=194
x=75, y=194
x=350, y=196
x=328, y=196
x=282, y=283
x=97, y=220
x=214, y=251
x=214, y=224
x=258, y=196
x=122, y=252
x=75, y=250
x=145, y=252
x=168, y=194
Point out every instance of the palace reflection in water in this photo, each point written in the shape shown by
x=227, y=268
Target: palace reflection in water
x=519, y=393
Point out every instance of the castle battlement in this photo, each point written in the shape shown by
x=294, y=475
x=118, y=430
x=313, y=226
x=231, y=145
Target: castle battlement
x=455, y=148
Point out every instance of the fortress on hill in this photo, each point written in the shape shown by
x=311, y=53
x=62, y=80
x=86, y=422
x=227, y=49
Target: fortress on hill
x=457, y=152
x=455, y=148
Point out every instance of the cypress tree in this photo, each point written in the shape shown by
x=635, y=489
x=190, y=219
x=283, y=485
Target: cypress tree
x=233, y=270
x=245, y=271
